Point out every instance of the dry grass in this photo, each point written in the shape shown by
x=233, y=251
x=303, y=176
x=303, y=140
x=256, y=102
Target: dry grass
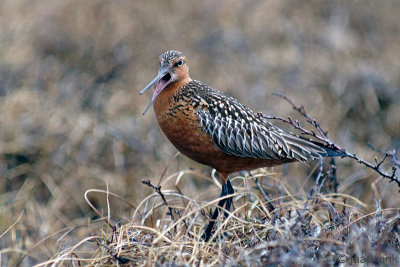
x=303, y=228
x=70, y=121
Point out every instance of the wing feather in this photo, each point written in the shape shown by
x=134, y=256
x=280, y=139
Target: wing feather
x=238, y=131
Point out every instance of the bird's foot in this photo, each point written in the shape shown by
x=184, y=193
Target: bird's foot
x=206, y=236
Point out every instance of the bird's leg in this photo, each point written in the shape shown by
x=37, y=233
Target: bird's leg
x=230, y=191
x=210, y=226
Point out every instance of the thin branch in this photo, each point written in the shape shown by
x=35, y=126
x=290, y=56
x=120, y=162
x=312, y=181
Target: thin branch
x=158, y=190
x=323, y=137
x=303, y=112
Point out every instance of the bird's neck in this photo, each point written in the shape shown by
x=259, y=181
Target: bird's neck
x=164, y=99
x=175, y=86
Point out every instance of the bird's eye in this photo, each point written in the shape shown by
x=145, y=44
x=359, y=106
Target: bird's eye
x=180, y=62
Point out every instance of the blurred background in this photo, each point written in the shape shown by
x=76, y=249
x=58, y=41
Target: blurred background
x=71, y=115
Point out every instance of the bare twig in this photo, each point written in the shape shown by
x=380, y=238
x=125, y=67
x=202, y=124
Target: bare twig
x=158, y=190
x=303, y=112
x=323, y=137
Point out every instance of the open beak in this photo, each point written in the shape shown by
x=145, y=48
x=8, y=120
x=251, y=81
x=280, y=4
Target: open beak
x=160, y=85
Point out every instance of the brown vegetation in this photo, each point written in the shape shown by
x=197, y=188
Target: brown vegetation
x=70, y=121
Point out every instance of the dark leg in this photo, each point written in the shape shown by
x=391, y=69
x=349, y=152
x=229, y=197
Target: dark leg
x=230, y=191
x=210, y=226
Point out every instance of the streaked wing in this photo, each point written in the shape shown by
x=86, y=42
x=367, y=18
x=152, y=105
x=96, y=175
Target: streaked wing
x=238, y=131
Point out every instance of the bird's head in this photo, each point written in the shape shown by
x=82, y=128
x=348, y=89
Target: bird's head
x=173, y=68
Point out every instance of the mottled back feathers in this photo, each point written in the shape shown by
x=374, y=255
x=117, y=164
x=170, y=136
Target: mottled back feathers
x=237, y=130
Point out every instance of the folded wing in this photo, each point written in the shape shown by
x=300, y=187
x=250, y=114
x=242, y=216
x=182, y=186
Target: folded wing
x=238, y=131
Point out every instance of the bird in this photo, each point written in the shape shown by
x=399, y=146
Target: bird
x=217, y=130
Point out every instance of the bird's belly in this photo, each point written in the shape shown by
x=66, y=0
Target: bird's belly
x=189, y=138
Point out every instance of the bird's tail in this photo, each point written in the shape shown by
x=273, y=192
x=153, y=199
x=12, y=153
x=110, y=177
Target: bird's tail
x=304, y=149
x=331, y=151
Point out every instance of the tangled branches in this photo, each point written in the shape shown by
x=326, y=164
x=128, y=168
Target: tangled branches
x=322, y=136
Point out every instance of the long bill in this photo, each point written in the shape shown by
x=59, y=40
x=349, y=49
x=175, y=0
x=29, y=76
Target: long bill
x=163, y=71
